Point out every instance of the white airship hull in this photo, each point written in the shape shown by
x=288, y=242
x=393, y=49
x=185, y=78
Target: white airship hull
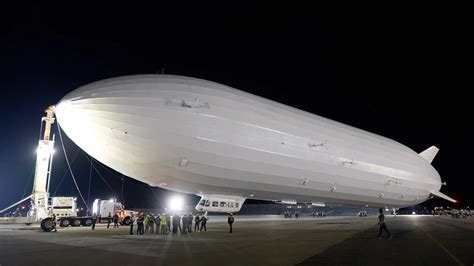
x=200, y=137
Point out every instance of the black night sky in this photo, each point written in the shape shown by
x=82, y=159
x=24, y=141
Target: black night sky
x=403, y=73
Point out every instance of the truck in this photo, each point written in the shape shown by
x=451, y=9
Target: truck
x=66, y=213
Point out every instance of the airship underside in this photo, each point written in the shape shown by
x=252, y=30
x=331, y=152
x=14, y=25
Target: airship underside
x=200, y=137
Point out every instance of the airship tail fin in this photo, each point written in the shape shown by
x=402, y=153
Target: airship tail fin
x=441, y=195
x=429, y=153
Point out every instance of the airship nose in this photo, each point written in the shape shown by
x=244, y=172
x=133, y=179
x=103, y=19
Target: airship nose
x=63, y=111
x=434, y=177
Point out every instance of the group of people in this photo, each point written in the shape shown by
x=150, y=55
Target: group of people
x=320, y=214
x=288, y=214
x=165, y=223
x=114, y=219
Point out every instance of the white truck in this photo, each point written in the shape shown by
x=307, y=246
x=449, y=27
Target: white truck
x=65, y=210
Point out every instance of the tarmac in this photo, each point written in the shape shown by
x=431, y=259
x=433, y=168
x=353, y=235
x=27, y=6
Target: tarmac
x=256, y=240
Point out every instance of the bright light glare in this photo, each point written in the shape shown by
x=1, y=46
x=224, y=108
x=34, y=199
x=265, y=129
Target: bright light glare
x=176, y=204
x=95, y=206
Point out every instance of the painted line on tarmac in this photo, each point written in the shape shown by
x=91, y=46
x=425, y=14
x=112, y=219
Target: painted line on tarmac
x=458, y=261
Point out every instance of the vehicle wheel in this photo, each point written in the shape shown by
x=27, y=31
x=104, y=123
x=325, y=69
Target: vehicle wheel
x=64, y=222
x=47, y=224
x=87, y=222
x=76, y=222
x=126, y=221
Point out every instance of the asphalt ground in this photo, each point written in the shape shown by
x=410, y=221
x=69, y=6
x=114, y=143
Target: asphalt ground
x=417, y=240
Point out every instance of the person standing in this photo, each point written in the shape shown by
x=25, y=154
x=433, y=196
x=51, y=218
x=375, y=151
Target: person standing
x=109, y=219
x=116, y=218
x=158, y=223
x=175, y=221
x=190, y=222
x=203, y=223
x=53, y=223
x=146, y=224
x=382, y=225
x=94, y=220
x=164, y=224
x=151, y=223
x=184, y=220
x=230, y=220
x=197, y=221
x=168, y=221
x=132, y=220
x=140, y=224
x=180, y=229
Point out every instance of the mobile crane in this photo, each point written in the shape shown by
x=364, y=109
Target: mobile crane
x=64, y=208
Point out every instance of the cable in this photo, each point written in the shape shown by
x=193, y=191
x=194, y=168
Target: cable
x=28, y=182
x=70, y=169
x=65, y=173
x=90, y=179
x=156, y=196
x=103, y=179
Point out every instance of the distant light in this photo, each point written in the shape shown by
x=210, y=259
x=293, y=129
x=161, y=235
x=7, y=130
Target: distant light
x=176, y=203
x=251, y=195
x=111, y=200
x=413, y=213
x=77, y=210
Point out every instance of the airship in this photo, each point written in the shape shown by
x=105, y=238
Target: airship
x=225, y=145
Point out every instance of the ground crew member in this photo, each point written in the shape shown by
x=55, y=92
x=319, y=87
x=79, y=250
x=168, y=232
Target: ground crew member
x=190, y=222
x=164, y=224
x=151, y=223
x=230, y=220
x=203, y=223
x=132, y=220
x=146, y=223
x=178, y=219
x=382, y=225
x=168, y=221
x=53, y=223
x=109, y=219
x=94, y=220
x=140, y=224
x=197, y=221
x=175, y=223
x=158, y=224
x=116, y=225
x=184, y=219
